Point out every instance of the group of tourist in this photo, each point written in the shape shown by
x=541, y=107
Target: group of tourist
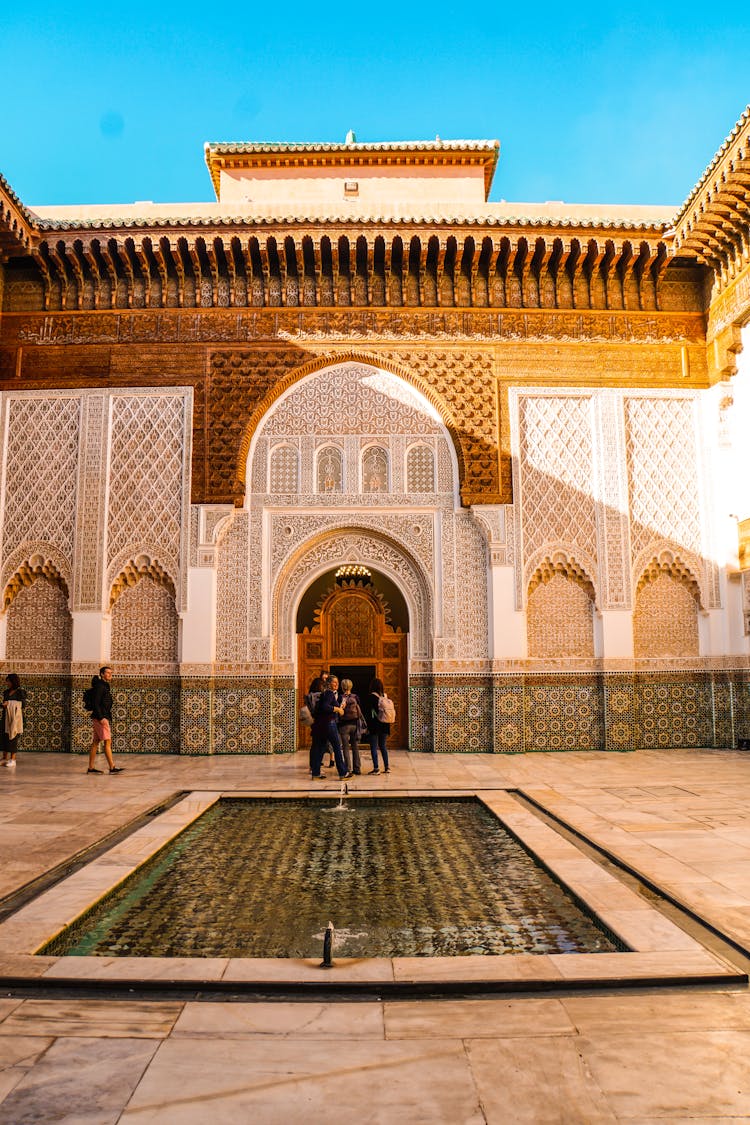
x=340, y=722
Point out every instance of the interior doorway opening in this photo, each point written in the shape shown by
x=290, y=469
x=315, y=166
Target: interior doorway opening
x=356, y=625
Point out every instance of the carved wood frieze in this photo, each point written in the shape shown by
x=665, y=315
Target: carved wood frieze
x=242, y=326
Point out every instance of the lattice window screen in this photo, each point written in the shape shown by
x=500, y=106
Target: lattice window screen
x=420, y=469
x=284, y=471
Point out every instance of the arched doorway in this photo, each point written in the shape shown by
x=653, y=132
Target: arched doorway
x=353, y=637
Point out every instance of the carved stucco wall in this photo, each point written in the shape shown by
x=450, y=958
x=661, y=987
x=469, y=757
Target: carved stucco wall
x=665, y=621
x=610, y=479
x=145, y=624
x=91, y=481
x=39, y=624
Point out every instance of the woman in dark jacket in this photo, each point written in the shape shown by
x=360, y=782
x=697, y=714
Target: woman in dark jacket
x=378, y=730
x=324, y=730
x=14, y=698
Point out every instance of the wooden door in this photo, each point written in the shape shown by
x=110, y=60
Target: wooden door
x=351, y=633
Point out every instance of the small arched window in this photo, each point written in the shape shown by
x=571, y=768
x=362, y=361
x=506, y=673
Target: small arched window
x=375, y=469
x=330, y=474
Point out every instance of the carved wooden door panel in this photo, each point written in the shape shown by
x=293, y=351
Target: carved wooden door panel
x=351, y=636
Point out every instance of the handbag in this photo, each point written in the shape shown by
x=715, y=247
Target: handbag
x=305, y=716
x=361, y=730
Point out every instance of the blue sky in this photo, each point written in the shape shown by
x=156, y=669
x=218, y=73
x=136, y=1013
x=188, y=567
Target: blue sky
x=590, y=104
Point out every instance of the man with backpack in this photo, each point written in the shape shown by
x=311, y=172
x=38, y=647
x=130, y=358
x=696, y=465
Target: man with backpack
x=98, y=700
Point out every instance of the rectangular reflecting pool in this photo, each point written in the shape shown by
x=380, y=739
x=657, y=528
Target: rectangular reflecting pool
x=255, y=877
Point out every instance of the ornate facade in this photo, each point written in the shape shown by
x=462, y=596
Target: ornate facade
x=518, y=427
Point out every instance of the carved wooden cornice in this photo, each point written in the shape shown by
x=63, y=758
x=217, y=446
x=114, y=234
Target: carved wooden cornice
x=311, y=325
x=280, y=267
x=713, y=225
x=17, y=229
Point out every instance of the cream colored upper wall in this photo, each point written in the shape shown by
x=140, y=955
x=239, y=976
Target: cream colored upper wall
x=379, y=190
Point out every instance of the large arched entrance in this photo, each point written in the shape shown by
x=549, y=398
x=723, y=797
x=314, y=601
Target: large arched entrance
x=352, y=632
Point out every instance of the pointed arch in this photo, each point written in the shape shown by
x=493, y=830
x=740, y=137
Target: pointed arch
x=352, y=544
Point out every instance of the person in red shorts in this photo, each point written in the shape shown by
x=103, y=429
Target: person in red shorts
x=101, y=715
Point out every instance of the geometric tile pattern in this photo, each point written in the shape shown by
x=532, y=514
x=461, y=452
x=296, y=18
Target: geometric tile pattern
x=46, y=714
x=674, y=713
x=242, y=715
x=563, y=714
x=145, y=715
x=510, y=713
x=462, y=717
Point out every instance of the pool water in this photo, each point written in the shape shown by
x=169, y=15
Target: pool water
x=397, y=877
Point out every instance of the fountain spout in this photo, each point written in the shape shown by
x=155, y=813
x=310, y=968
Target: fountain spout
x=327, y=962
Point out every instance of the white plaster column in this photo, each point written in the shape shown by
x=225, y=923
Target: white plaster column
x=198, y=630
x=616, y=634
x=91, y=636
x=508, y=635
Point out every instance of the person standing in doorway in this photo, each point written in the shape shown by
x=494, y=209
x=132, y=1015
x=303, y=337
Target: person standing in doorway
x=101, y=715
x=348, y=727
x=14, y=698
x=378, y=730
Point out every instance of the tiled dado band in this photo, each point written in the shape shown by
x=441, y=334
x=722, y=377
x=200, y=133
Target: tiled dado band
x=449, y=714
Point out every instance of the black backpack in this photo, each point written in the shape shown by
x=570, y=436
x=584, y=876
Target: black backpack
x=88, y=698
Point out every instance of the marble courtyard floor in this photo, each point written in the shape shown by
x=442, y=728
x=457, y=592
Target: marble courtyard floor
x=385, y=1041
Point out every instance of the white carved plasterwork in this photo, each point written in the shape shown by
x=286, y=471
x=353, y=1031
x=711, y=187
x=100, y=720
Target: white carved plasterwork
x=495, y=520
x=42, y=433
x=446, y=609
x=746, y=600
x=415, y=531
x=664, y=481
x=233, y=593
x=352, y=546
x=92, y=509
x=554, y=480
x=350, y=409
x=149, y=503
x=352, y=398
x=472, y=627
x=612, y=490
